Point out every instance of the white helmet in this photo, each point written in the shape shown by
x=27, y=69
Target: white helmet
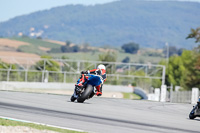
x=101, y=66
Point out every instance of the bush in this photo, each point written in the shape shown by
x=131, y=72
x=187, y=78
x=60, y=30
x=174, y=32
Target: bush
x=131, y=47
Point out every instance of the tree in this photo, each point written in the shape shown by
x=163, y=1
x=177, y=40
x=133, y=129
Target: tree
x=75, y=48
x=47, y=64
x=130, y=47
x=67, y=48
x=126, y=60
x=180, y=51
x=181, y=70
x=67, y=43
x=108, y=57
x=172, y=50
x=195, y=33
x=193, y=75
x=13, y=74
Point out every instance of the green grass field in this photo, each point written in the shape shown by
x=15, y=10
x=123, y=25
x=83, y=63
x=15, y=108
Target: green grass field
x=36, y=42
x=92, y=56
x=6, y=122
x=131, y=96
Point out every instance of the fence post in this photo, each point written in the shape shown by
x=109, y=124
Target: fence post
x=46, y=76
x=26, y=75
x=195, y=95
x=171, y=93
x=64, y=77
x=163, y=93
x=78, y=66
x=43, y=76
x=8, y=75
x=163, y=76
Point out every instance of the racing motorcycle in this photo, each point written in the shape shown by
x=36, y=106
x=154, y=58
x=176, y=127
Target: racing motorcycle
x=88, y=90
x=195, y=111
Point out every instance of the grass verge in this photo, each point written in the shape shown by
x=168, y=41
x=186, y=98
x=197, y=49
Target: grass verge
x=131, y=96
x=6, y=122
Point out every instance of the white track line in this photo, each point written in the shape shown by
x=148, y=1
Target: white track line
x=14, y=119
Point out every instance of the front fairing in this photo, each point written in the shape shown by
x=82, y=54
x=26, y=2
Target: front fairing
x=94, y=80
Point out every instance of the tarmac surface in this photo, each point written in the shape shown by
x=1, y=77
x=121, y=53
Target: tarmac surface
x=99, y=115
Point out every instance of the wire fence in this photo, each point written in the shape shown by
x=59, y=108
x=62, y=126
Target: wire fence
x=180, y=96
x=68, y=71
x=64, y=77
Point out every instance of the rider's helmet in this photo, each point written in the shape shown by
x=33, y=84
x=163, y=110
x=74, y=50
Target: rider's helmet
x=101, y=66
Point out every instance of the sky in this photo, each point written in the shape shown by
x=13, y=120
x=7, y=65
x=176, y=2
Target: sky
x=12, y=8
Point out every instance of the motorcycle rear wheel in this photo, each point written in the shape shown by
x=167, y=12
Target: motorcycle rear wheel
x=85, y=94
x=72, y=98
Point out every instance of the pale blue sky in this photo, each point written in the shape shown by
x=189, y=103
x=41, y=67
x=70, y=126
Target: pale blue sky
x=13, y=8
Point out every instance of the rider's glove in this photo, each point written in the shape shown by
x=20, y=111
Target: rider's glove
x=84, y=72
x=99, y=93
x=98, y=72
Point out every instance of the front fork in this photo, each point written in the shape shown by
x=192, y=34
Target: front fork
x=196, y=109
x=77, y=91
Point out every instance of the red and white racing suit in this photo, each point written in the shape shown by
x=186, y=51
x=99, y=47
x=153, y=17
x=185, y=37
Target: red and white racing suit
x=100, y=72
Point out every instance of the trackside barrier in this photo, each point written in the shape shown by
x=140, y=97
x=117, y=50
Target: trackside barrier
x=163, y=93
x=175, y=96
x=64, y=86
x=141, y=93
x=155, y=96
x=195, y=95
x=180, y=96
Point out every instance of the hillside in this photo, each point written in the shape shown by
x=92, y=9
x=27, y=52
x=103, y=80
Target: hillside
x=148, y=23
x=24, y=47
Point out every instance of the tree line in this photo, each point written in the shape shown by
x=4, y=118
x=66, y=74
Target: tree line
x=184, y=70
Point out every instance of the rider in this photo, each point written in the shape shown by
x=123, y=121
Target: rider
x=101, y=70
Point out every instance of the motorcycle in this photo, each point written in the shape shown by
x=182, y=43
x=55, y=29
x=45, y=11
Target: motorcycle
x=195, y=111
x=88, y=90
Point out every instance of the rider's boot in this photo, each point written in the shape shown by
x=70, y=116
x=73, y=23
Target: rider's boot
x=99, y=90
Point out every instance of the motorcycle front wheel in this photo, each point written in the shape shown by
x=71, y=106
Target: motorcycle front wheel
x=72, y=98
x=192, y=116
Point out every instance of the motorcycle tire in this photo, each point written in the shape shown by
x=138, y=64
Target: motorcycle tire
x=73, y=98
x=192, y=116
x=87, y=92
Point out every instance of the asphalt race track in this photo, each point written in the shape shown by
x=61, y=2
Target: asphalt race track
x=104, y=115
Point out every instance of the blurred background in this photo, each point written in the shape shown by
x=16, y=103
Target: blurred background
x=144, y=44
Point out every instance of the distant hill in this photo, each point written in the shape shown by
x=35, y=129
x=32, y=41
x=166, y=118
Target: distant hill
x=28, y=45
x=148, y=23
